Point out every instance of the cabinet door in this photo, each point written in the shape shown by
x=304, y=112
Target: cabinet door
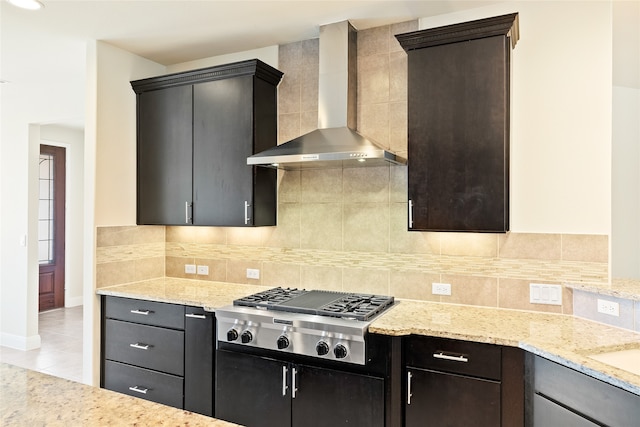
x=223, y=139
x=164, y=155
x=458, y=136
x=449, y=400
x=199, y=338
x=546, y=413
x=327, y=397
x=252, y=391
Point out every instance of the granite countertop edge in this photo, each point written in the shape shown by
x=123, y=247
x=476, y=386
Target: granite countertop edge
x=563, y=339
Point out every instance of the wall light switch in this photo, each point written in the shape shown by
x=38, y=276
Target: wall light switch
x=540, y=293
x=190, y=268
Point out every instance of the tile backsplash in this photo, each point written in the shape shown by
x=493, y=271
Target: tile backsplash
x=347, y=229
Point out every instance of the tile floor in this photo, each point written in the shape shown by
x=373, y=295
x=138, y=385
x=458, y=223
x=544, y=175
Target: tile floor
x=60, y=353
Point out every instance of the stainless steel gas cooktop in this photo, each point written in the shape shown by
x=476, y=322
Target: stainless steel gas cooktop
x=326, y=324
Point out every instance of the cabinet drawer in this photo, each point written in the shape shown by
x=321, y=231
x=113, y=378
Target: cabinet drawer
x=145, y=312
x=461, y=357
x=143, y=383
x=585, y=395
x=146, y=346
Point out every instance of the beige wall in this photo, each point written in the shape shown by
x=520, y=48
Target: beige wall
x=346, y=229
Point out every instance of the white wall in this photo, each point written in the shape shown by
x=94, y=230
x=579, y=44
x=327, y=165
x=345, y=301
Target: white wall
x=268, y=55
x=561, y=114
x=625, y=204
x=57, y=74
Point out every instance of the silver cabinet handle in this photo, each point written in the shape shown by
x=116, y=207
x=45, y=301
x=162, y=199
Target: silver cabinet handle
x=284, y=380
x=410, y=213
x=246, y=212
x=138, y=389
x=141, y=312
x=140, y=346
x=294, y=387
x=409, y=388
x=188, y=219
x=453, y=357
x=195, y=316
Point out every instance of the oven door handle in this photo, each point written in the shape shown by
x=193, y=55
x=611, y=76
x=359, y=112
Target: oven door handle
x=294, y=387
x=284, y=380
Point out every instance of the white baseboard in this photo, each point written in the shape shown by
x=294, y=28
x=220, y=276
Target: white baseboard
x=19, y=342
x=73, y=301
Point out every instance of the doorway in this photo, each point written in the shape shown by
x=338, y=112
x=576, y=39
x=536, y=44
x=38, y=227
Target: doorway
x=51, y=227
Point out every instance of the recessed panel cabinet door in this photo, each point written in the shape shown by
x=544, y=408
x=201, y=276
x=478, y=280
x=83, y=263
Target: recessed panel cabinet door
x=252, y=391
x=458, y=136
x=448, y=400
x=164, y=155
x=223, y=139
x=326, y=397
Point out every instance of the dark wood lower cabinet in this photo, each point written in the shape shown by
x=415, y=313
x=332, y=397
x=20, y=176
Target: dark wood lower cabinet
x=560, y=396
x=452, y=383
x=159, y=352
x=199, y=341
x=259, y=391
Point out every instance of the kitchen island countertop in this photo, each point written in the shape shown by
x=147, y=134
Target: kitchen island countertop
x=30, y=398
x=565, y=339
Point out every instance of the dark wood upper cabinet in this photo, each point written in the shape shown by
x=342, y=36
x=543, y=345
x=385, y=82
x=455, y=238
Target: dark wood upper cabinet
x=195, y=131
x=458, y=122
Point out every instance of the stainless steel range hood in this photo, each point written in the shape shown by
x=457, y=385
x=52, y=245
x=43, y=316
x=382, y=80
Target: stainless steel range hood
x=335, y=144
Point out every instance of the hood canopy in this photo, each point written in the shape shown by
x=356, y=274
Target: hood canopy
x=335, y=144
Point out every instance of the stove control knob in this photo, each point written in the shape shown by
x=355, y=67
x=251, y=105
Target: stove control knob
x=322, y=348
x=340, y=351
x=283, y=342
x=246, y=337
x=232, y=335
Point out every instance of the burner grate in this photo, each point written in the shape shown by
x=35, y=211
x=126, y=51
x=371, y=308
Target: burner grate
x=323, y=303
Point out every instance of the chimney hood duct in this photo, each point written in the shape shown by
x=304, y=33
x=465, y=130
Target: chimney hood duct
x=334, y=144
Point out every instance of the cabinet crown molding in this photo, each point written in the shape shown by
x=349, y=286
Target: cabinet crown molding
x=504, y=25
x=242, y=68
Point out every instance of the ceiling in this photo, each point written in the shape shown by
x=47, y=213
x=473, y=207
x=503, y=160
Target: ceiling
x=171, y=32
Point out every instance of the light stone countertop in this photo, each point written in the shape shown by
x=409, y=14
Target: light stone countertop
x=565, y=339
x=30, y=398
x=620, y=288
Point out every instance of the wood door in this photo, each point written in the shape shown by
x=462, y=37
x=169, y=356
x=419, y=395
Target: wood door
x=164, y=160
x=51, y=231
x=222, y=141
x=252, y=391
x=327, y=397
x=448, y=400
x=199, y=340
x=458, y=136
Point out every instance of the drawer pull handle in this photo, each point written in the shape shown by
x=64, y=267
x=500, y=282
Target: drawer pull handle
x=453, y=357
x=195, y=316
x=409, y=388
x=139, y=390
x=140, y=346
x=142, y=312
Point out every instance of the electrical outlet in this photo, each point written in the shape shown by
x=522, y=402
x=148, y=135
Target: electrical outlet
x=203, y=270
x=190, y=268
x=253, y=273
x=540, y=293
x=608, y=307
x=441, y=289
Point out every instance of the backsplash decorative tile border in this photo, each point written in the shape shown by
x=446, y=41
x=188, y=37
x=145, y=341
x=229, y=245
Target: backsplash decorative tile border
x=525, y=269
